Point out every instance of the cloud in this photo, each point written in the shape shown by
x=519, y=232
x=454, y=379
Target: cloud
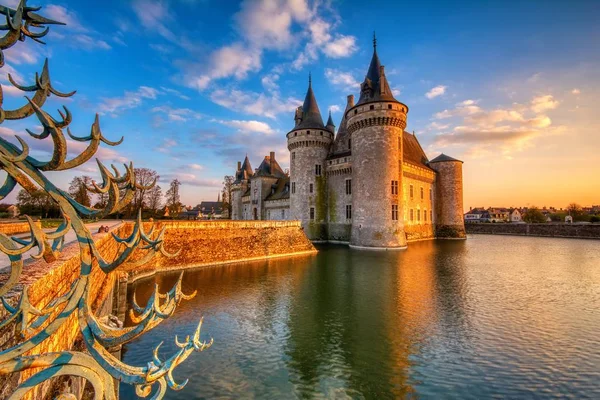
x=576, y=91
x=190, y=179
x=177, y=114
x=501, y=130
x=174, y=92
x=335, y=108
x=542, y=103
x=129, y=100
x=248, y=126
x=268, y=106
x=233, y=60
x=342, y=79
x=436, y=91
x=61, y=14
x=153, y=14
x=269, y=82
x=79, y=36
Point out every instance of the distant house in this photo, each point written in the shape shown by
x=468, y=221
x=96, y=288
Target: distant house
x=499, y=214
x=211, y=209
x=13, y=211
x=473, y=216
x=515, y=215
x=189, y=214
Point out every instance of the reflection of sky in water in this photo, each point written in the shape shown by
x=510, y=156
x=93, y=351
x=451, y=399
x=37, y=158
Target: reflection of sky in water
x=492, y=316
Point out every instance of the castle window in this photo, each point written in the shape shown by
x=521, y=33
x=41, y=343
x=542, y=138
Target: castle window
x=411, y=193
x=425, y=215
x=389, y=106
x=282, y=214
x=350, y=144
x=295, y=133
x=348, y=186
x=293, y=155
x=355, y=112
x=419, y=215
x=430, y=195
x=308, y=132
x=312, y=213
x=321, y=133
x=431, y=215
x=412, y=215
x=372, y=107
x=395, y=212
x=293, y=187
x=310, y=188
x=422, y=194
x=348, y=211
x=318, y=169
x=394, y=187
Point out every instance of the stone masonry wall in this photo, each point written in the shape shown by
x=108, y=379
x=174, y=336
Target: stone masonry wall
x=338, y=172
x=418, y=224
x=219, y=242
x=583, y=231
x=14, y=227
x=449, y=200
x=376, y=153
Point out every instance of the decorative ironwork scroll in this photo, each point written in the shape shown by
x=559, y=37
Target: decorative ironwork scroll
x=98, y=366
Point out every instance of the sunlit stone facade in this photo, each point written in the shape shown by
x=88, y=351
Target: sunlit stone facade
x=368, y=184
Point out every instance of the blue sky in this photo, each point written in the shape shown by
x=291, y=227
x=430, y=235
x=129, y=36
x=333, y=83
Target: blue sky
x=510, y=87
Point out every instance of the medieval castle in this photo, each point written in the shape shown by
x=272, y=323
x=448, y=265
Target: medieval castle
x=370, y=184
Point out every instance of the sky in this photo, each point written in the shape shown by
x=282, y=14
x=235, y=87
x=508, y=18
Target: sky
x=509, y=87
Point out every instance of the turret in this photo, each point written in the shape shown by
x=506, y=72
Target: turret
x=376, y=125
x=330, y=125
x=449, y=197
x=309, y=144
x=240, y=185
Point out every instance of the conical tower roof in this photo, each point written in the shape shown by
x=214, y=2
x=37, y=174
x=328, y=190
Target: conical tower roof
x=311, y=116
x=330, y=121
x=340, y=144
x=245, y=172
x=375, y=86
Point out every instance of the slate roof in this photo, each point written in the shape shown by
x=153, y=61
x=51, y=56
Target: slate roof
x=311, y=116
x=375, y=86
x=210, y=206
x=245, y=172
x=413, y=152
x=265, y=169
x=280, y=189
x=442, y=157
x=340, y=143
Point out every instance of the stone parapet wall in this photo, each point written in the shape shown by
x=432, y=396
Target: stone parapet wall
x=14, y=227
x=583, y=231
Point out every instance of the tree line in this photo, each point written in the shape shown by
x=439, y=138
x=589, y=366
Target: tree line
x=149, y=200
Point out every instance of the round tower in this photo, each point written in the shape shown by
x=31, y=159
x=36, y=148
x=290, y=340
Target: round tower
x=449, y=222
x=242, y=181
x=376, y=125
x=309, y=142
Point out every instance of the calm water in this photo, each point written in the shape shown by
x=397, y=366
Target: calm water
x=503, y=317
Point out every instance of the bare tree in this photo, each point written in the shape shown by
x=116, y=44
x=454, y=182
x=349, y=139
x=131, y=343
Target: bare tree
x=154, y=201
x=78, y=190
x=173, y=199
x=143, y=177
x=227, y=188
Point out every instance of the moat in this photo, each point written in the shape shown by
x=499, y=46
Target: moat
x=512, y=317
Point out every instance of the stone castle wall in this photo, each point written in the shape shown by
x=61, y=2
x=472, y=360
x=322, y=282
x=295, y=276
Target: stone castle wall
x=308, y=148
x=14, y=227
x=376, y=155
x=418, y=224
x=582, y=231
x=339, y=170
x=449, y=200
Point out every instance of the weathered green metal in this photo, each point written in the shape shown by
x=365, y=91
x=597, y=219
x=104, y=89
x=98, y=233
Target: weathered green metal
x=98, y=366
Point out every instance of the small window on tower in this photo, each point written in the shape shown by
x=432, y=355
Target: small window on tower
x=321, y=133
x=350, y=144
x=293, y=187
x=295, y=133
x=312, y=213
x=318, y=169
x=412, y=215
x=310, y=188
x=355, y=111
x=389, y=106
x=348, y=211
x=422, y=195
x=395, y=212
x=425, y=215
x=293, y=155
x=308, y=132
x=371, y=107
x=411, y=193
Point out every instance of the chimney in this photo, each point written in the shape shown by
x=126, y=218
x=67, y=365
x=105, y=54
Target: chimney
x=239, y=165
x=382, y=79
x=350, y=101
x=272, y=161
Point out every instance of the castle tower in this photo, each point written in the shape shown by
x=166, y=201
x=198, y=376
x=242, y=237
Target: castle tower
x=376, y=125
x=449, y=197
x=308, y=143
x=241, y=184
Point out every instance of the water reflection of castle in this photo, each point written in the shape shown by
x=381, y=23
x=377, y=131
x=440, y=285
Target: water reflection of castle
x=370, y=184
